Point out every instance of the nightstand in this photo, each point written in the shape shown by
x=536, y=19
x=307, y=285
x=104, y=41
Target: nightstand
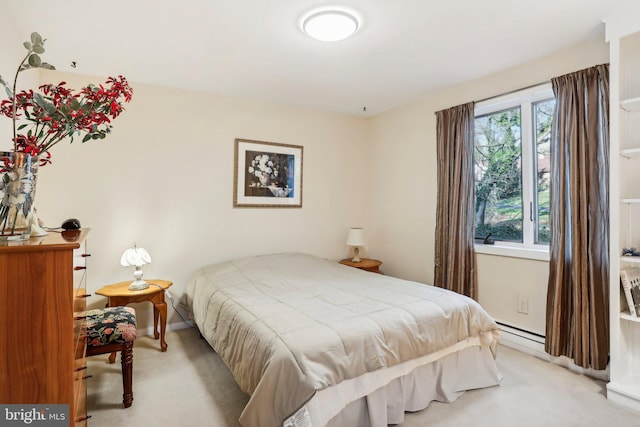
x=372, y=265
x=119, y=294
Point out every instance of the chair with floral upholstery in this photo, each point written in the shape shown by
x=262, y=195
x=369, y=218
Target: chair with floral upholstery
x=110, y=330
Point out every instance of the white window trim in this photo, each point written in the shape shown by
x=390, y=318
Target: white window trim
x=524, y=98
x=538, y=252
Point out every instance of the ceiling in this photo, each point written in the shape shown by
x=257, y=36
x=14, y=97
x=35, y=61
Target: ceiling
x=403, y=50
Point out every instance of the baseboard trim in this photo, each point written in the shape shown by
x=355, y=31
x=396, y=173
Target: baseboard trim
x=621, y=395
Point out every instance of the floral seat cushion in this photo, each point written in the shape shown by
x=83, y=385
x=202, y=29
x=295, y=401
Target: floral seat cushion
x=110, y=325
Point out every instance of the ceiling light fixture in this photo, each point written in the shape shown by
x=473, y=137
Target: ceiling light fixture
x=330, y=25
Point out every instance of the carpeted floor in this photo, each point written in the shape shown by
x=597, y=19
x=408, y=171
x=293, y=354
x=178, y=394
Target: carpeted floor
x=190, y=386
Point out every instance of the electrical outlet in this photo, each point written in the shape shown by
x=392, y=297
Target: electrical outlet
x=523, y=305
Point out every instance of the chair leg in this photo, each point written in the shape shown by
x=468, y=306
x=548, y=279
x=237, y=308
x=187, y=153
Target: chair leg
x=126, y=357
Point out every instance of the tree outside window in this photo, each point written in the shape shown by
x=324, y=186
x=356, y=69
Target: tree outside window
x=512, y=171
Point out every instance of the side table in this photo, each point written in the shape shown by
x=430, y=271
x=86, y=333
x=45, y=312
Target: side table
x=372, y=265
x=118, y=294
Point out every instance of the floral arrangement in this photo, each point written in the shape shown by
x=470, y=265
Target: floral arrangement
x=56, y=112
x=52, y=113
x=270, y=170
x=265, y=169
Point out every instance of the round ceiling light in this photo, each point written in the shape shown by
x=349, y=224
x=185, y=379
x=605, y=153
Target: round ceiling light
x=330, y=25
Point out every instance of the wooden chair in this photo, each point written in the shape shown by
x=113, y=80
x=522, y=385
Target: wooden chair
x=110, y=330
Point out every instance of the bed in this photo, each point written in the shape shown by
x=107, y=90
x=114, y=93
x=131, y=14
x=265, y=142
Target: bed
x=317, y=343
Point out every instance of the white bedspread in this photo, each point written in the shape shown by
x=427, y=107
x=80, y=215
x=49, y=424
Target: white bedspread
x=288, y=325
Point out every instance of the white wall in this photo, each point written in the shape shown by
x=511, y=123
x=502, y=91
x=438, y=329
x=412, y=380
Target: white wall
x=403, y=176
x=164, y=179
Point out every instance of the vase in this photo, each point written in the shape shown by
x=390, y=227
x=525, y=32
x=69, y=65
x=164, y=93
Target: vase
x=18, y=172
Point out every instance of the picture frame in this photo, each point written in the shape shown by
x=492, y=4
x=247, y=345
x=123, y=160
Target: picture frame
x=267, y=174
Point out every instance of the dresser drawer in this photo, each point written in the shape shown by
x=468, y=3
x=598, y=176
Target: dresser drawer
x=80, y=256
x=80, y=296
x=80, y=403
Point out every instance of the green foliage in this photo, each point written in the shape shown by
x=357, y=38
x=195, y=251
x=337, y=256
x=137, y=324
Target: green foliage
x=32, y=59
x=505, y=231
x=497, y=159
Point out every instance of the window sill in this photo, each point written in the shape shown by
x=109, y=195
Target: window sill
x=541, y=254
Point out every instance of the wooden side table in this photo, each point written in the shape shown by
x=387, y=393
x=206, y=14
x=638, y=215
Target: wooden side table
x=119, y=294
x=372, y=265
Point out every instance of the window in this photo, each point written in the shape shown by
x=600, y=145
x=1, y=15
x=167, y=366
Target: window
x=512, y=168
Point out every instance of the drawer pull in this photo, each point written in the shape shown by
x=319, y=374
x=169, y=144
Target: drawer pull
x=86, y=377
x=86, y=417
x=85, y=255
x=79, y=267
x=80, y=317
x=84, y=296
x=82, y=368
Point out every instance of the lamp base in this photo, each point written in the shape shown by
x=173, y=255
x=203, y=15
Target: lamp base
x=356, y=258
x=138, y=285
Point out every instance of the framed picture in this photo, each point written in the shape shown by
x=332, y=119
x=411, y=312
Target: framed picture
x=267, y=174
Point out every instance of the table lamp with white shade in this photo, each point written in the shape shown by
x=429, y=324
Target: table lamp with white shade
x=136, y=257
x=355, y=238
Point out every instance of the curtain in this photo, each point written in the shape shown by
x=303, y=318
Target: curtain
x=578, y=290
x=454, y=254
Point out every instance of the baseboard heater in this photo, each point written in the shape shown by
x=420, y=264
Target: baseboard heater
x=523, y=340
x=533, y=343
x=523, y=333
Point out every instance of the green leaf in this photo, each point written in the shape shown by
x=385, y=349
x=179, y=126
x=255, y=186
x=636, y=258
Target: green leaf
x=39, y=99
x=37, y=48
x=95, y=136
x=75, y=104
x=34, y=60
x=50, y=108
x=86, y=137
x=47, y=66
x=22, y=126
x=27, y=45
x=36, y=38
x=9, y=92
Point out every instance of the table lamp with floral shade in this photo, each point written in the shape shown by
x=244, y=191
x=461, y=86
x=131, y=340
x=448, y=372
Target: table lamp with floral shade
x=41, y=119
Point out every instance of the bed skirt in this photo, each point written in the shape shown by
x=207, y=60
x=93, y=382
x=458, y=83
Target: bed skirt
x=442, y=380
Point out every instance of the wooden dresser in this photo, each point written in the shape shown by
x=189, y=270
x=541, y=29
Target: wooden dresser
x=42, y=331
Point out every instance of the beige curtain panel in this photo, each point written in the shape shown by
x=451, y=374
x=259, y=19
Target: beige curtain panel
x=578, y=292
x=455, y=258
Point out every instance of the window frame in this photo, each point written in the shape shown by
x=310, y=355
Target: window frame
x=524, y=99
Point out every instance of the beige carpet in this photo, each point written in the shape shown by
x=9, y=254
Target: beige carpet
x=190, y=386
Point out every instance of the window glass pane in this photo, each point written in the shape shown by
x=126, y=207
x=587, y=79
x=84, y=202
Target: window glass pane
x=498, y=176
x=543, y=115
